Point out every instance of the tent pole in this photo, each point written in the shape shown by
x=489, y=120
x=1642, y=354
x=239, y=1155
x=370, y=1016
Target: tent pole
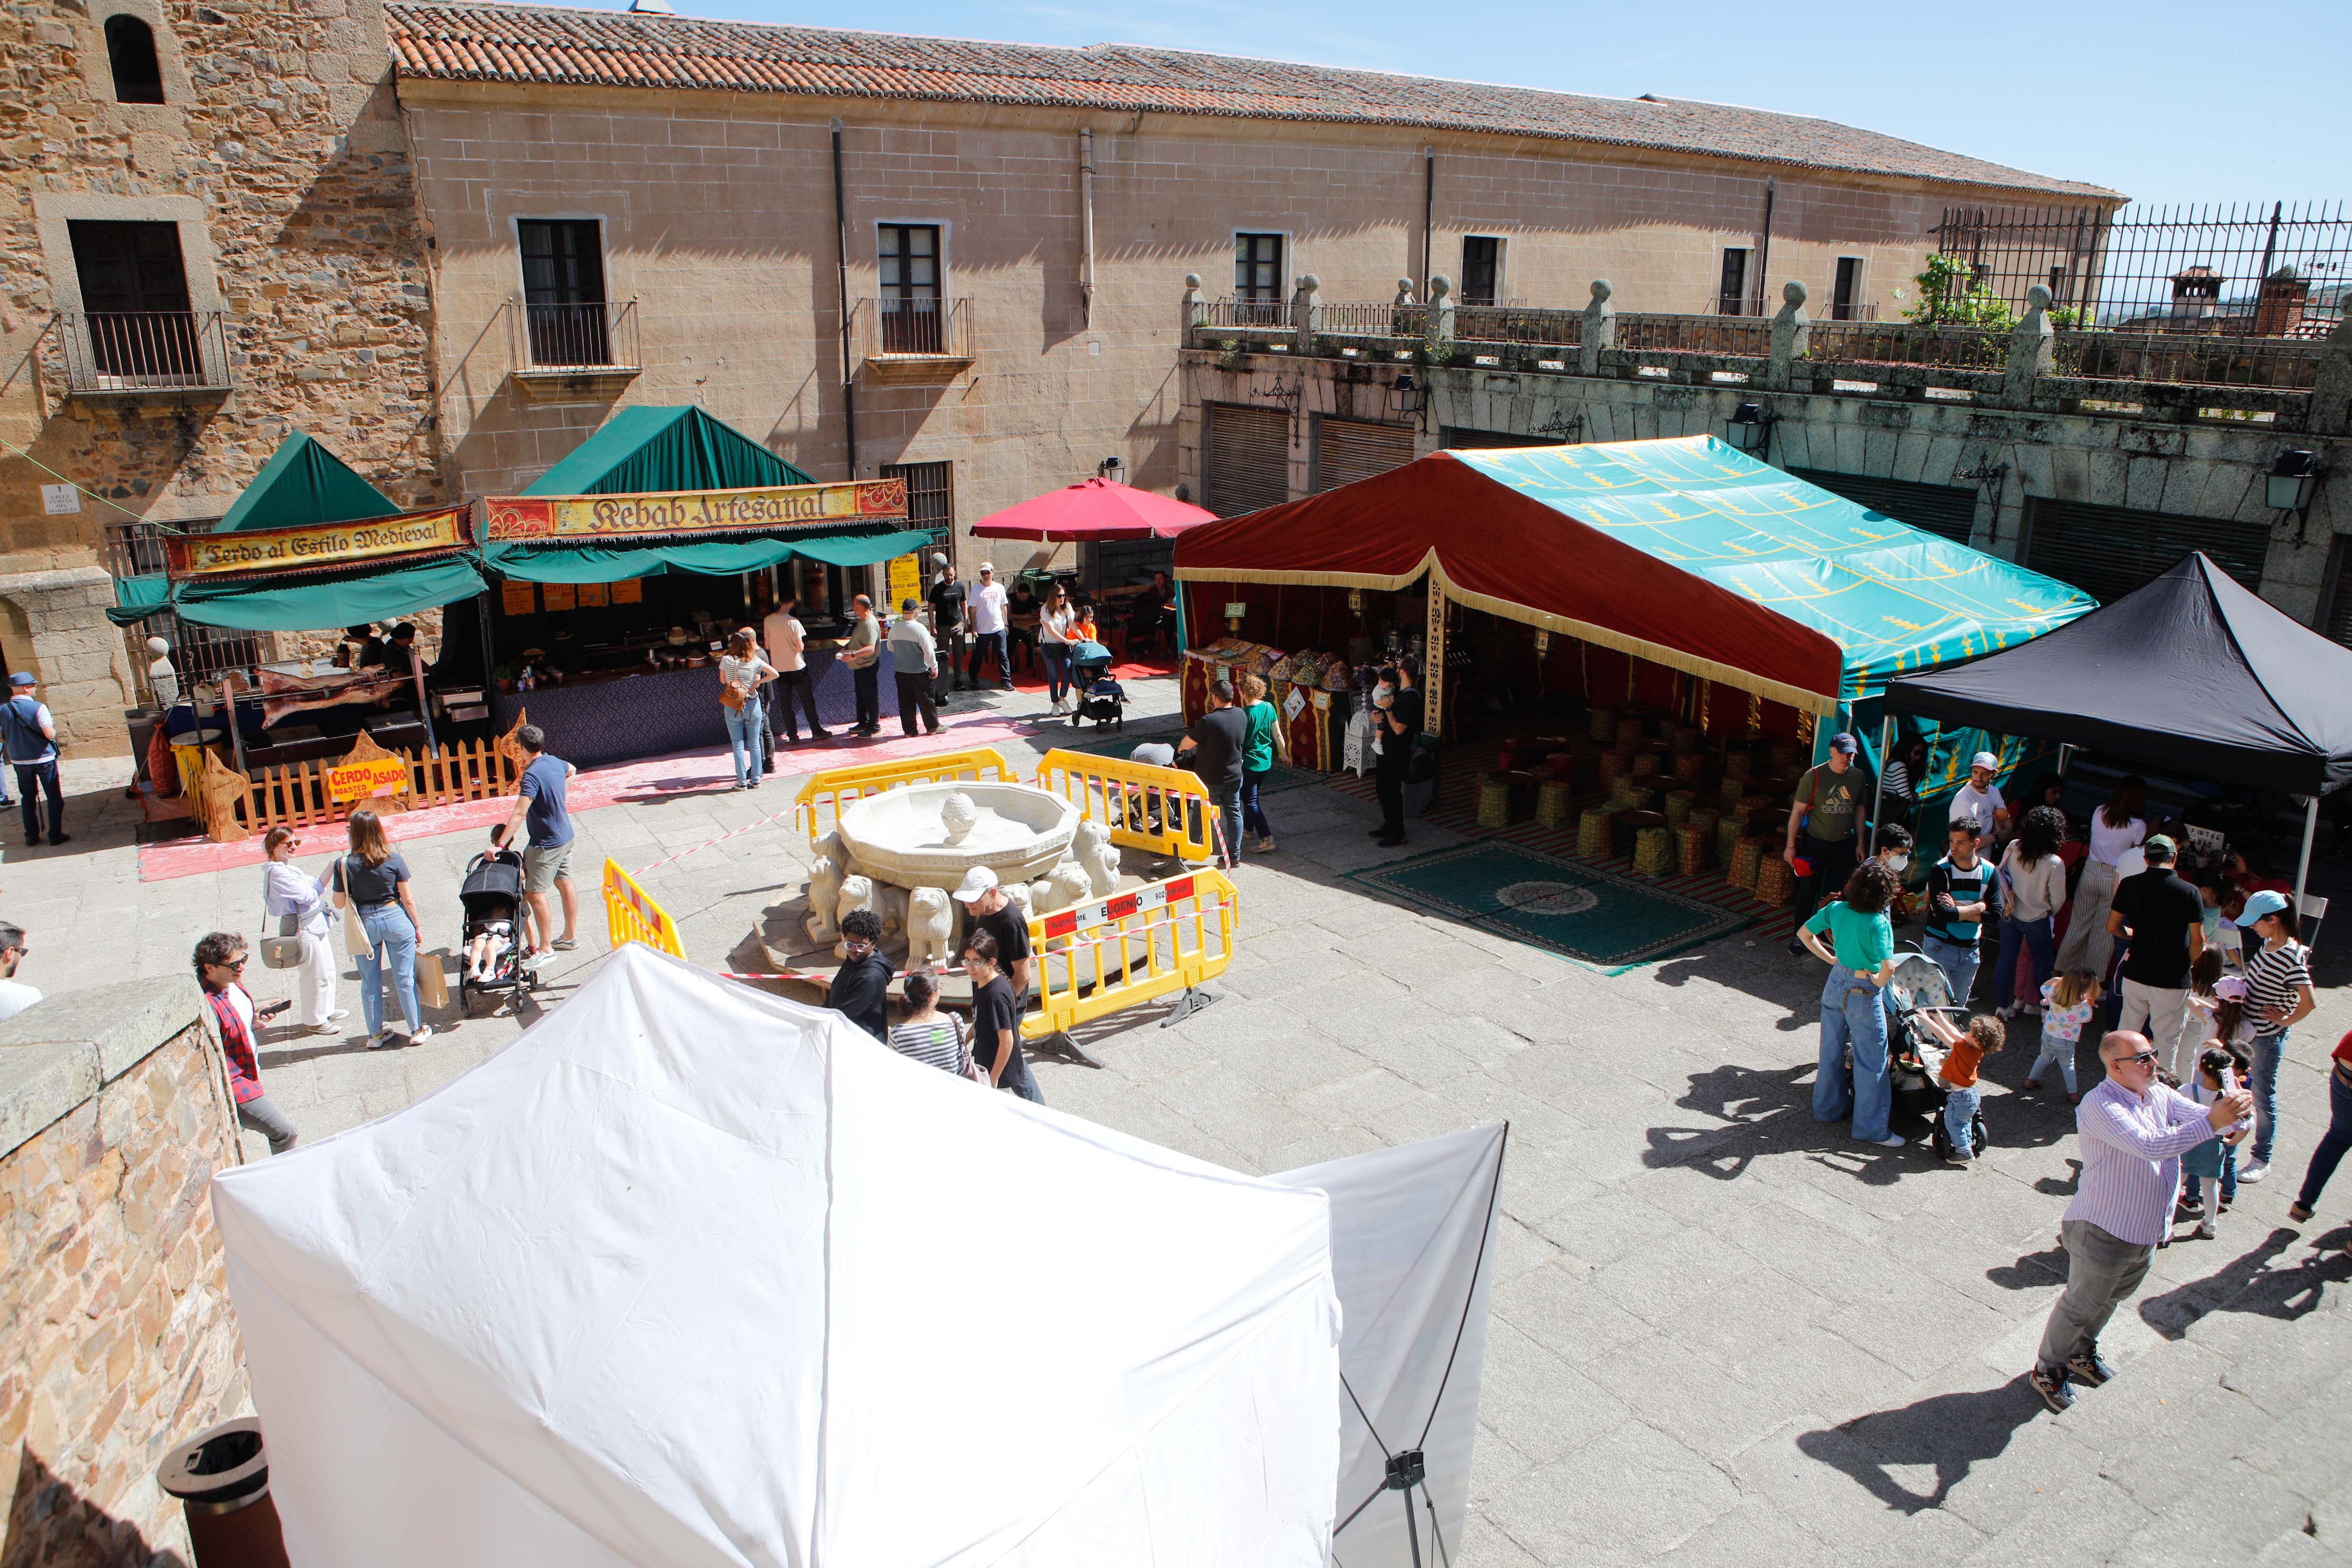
x=423, y=709
x=2303, y=865
x=1411, y=1530
x=235, y=732
x=1878, y=781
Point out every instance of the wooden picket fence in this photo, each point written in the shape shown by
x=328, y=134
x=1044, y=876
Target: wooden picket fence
x=232, y=807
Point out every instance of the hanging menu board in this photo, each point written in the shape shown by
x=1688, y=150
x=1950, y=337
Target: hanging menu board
x=558, y=596
x=593, y=596
x=518, y=598
x=629, y=591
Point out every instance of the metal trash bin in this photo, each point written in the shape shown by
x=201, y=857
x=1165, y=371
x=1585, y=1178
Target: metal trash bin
x=221, y=1477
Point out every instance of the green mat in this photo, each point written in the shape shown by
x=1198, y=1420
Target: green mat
x=1121, y=743
x=1578, y=911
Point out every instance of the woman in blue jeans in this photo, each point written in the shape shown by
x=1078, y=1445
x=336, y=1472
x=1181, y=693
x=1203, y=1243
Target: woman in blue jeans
x=2338, y=1139
x=1860, y=952
x=2278, y=997
x=2033, y=887
x=374, y=880
x=743, y=675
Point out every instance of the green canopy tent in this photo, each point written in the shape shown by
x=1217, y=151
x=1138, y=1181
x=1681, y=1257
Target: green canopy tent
x=643, y=451
x=304, y=483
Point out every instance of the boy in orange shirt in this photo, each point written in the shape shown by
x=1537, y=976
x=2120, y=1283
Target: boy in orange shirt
x=1964, y=1051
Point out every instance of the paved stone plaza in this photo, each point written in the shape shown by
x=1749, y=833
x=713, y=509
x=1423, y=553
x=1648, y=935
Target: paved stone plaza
x=1722, y=1333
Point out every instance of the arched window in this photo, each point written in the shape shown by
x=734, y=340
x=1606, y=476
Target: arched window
x=131, y=50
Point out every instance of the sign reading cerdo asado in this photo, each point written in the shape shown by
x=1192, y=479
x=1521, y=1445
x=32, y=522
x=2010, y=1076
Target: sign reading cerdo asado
x=376, y=775
x=511, y=518
x=316, y=547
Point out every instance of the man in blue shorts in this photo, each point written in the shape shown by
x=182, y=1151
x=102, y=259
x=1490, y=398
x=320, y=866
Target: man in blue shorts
x=547, y=860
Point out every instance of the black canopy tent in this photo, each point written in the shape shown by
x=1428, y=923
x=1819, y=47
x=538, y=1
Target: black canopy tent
x=2193, y=673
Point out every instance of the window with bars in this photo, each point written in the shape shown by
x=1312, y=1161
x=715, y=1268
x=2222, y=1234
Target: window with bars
x=911, y=292
x=134, y=295
x=1482, y=269
x=563, y=290
x=931, y=493
x=1847, y=292
x=1257, y=267
x=1731, y=290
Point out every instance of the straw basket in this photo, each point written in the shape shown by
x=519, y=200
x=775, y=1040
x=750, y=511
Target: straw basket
x=1494, y=800
x=1775, y=883
x=1627, y=795
x=1727, y=831
x=1739, y=762
x=1653, y=851
x=1787, y=756
x=1614, y=765
x=1693, y=843
x=1555, y=802
x=1592, y=832
x=1734, y=786
x=1605, y=726
x=1689, y=738
x=1746, y=857
x=1625, y=833
x=1629, y=731
x=1678, y=806
x=1690, y=766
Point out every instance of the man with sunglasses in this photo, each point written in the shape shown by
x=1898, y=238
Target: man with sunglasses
x=14, y=995
x=2133, y=1132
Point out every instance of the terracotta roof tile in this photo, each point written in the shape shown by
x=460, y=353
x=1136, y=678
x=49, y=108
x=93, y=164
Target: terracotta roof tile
x=612, y=48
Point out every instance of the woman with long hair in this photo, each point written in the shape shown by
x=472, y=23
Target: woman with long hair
x=1056, y=623
x=1860, y=952
x=373, y=880
x=741, y=673
x=1261, y=747
x=2032, y=886
x=2119, y=826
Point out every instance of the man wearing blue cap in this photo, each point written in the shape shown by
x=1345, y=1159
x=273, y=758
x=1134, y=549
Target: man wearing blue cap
x=31, y=736
x=1828, y=806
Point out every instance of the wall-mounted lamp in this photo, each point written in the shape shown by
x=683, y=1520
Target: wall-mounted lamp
x=1407, y=396
x=1750, y=430
x=1111, y=469
x=2292, y=485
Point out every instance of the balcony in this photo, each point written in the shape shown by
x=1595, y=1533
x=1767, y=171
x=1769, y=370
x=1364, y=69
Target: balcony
x=131, y=353
x=570, y=350
x=914, y=341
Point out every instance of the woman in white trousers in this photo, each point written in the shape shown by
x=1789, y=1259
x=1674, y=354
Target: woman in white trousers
x=2116, y=827
x=286, y=889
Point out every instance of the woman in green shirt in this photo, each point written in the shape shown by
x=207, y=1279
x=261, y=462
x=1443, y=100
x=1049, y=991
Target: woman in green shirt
x=1264, y=742
x=1861, y=956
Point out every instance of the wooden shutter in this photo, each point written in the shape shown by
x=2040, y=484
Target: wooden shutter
x=1347, y=451
x=2108, y=551
x=1249, y=457
x=1947, y=509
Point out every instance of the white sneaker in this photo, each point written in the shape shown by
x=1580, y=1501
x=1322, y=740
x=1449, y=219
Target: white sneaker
x=377, y=1042
x=339, y=1015
x=421, y=1035
x=1892, y=1141
x=2251, y=1172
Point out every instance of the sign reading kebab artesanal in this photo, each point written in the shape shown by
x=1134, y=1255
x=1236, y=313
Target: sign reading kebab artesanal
x=316, y=547
x=514, y=518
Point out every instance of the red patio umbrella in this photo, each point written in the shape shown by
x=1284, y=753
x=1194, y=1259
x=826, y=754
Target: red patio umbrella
x=1097, y=510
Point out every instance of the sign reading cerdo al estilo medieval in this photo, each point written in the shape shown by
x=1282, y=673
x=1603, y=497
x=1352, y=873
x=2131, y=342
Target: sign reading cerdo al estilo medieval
x=315, y=547
x=513, y=518
x=358, y=781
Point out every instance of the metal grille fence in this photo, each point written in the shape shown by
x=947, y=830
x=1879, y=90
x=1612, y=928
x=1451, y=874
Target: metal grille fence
x=202, y=654
x=2254, y=270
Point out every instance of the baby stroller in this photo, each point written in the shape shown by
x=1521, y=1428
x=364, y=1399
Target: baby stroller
x=1099, y=698
x=492, y=893
x=1918, y=988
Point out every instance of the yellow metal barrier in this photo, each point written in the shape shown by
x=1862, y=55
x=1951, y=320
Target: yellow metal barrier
x=838, y=788
x=1164, y=810
x=631, y=914
x=1130, y=947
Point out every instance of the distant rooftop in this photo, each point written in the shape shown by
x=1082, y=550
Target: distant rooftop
x=613, y=48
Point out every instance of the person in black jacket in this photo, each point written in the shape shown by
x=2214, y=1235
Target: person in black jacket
x=861, y=987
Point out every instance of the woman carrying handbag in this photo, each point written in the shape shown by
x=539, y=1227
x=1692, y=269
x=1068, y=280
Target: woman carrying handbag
x=371, y=884
x=299, y=902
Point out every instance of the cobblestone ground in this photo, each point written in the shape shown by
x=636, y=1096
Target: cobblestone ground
x=1722, y=1333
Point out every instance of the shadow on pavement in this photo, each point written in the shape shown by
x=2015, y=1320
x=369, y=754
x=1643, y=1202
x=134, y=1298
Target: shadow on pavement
x=1950, y=1432
x=2250, y=1284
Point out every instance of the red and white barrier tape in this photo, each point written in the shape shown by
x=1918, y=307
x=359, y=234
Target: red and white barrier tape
x=794, y=810
x=1126, y=933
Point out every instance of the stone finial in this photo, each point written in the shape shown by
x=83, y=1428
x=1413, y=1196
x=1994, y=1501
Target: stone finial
x=1792, y=336
x=1307, y=312
x=1196, y=306
x=1599, y=330
x=1404, y=293
x=1439, y=329
x=2030, y=346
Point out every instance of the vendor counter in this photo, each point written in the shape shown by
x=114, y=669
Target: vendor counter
x=618, y=717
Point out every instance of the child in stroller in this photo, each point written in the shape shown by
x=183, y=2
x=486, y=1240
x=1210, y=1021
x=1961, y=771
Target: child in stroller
x=491, y=898
x=1099, y=696
x=1936, y=1057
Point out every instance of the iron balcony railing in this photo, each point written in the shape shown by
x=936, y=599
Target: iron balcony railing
x=1267, y=315
x=1910, y=344
x=1748, y=337
x=2283, y=365
x=598, y=336
x=896, y=326
x=1526, y=324
x=144, y=350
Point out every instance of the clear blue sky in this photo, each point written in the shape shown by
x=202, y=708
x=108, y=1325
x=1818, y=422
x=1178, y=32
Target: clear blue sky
x=2165, y=101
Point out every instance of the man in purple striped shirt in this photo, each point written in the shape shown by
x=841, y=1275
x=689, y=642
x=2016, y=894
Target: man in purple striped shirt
x=2133, y=1132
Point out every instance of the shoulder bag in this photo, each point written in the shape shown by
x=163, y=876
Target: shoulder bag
x=283, y=951
x=355, y=937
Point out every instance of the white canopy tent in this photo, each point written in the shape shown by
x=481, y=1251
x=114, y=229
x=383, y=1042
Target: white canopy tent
x=691, y=1275
x=1412, y=1249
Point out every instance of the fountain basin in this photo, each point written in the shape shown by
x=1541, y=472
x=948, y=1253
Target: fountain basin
x=910, y=839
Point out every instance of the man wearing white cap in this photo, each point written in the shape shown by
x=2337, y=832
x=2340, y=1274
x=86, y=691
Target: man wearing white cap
x=987, y=627
x=1001, y=918
x=1980, y=799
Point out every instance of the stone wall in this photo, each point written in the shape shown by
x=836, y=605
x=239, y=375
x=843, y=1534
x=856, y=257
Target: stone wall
x=116, y=1334
x=279, y=157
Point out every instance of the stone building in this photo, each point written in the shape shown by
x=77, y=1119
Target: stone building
x=643, y=209
x=208, y=237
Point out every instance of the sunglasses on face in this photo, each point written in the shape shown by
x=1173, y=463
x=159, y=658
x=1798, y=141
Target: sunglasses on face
x=2141, y=1059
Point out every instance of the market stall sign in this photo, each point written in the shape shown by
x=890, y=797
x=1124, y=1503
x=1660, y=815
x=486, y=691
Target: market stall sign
x=513, y=518
x=316, y=547
x=906, y=580
x=374, y=775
